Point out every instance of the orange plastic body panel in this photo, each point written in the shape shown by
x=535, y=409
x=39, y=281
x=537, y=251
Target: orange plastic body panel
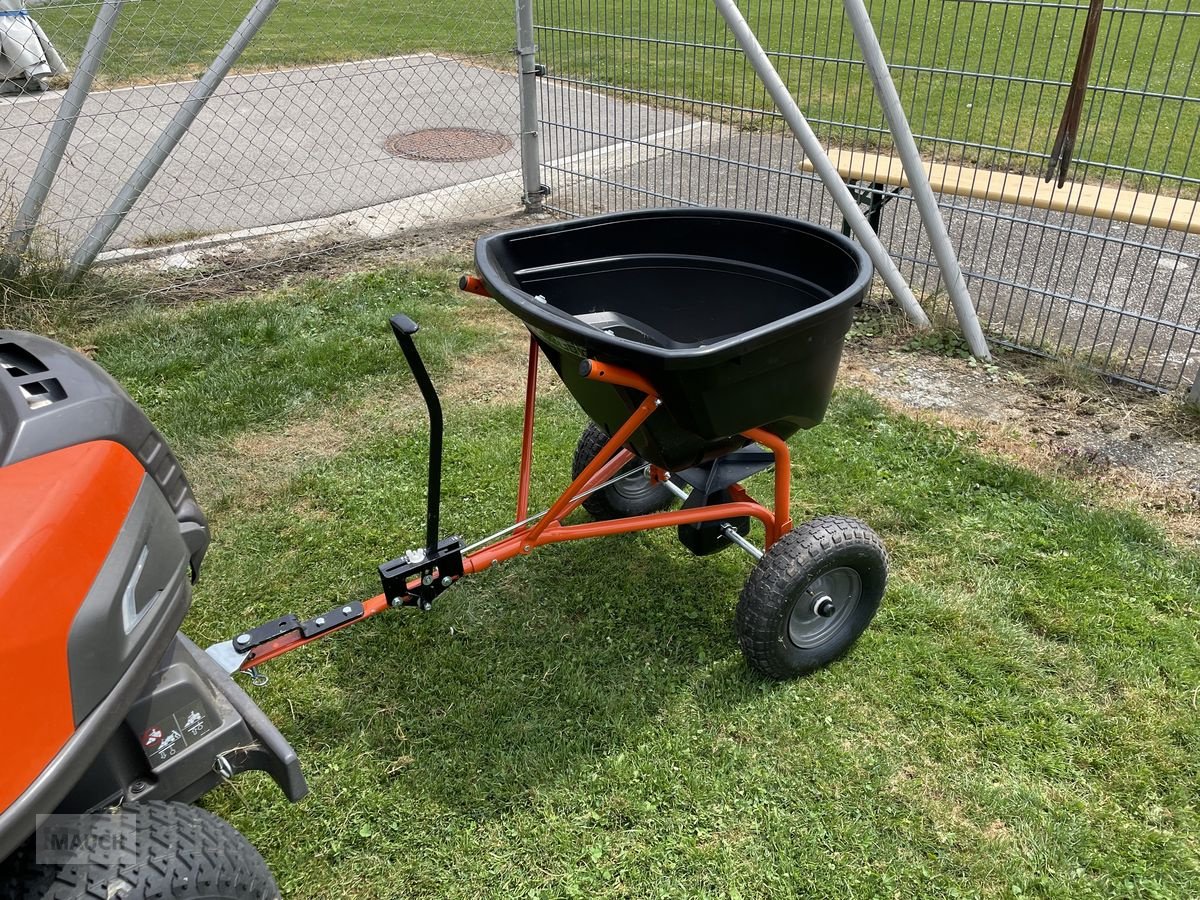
x=61, y=513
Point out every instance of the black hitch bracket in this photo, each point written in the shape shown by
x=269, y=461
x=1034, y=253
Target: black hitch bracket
x=434, y=572
x=265, y=632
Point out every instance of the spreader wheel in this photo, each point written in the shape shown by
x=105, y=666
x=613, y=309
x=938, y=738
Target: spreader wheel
x=632, y=496
x=810, y=596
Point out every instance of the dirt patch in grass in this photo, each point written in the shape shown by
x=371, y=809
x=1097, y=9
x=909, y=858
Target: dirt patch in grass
x=494, y=376
x=183, y=275
x=1135, y=447
x=297, y=443
x=498, y=375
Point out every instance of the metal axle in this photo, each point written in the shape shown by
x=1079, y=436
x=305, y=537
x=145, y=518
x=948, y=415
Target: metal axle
x=726, y=529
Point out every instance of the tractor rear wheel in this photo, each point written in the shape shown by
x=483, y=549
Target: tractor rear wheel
x=170, y=851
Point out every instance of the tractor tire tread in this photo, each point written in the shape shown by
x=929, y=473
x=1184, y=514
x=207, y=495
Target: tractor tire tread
x=183, y=853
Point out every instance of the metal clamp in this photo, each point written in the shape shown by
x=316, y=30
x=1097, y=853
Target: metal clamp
x=433, y=573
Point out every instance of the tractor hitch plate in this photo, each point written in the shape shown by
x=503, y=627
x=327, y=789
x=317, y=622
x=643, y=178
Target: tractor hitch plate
x=268, y=631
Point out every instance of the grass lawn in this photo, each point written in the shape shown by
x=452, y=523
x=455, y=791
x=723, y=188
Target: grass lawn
x=174, y=37
x=812, y=46
x=1020, y=720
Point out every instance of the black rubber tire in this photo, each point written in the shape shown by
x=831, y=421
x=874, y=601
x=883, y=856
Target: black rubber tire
x=631, y=497
x=183, y=853
x=777, y=602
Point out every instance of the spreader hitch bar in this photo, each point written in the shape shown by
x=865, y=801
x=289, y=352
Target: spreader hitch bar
x=413, y=579
x=716, y=512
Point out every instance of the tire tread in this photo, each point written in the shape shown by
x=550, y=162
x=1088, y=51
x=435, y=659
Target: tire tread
x=183, y=852
x=601, y=504
x=767, y=593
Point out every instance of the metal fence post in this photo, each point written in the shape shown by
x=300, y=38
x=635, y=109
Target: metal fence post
x=103, y=228
x=825, y=169
x=61, y=130
x=527, y=71
x=918, y=180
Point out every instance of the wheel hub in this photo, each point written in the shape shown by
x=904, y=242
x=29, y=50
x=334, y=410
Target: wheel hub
x=635, y=486
x=823, y=607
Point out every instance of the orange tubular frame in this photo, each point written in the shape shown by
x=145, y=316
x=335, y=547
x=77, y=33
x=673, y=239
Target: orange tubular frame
x=607, y=463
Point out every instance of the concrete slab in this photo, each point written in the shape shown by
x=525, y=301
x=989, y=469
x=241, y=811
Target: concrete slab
x=285, y=146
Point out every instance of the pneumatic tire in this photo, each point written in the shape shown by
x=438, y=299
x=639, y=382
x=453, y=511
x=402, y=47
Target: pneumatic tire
x=632, y=496
x=811, y=596
x=181, y=852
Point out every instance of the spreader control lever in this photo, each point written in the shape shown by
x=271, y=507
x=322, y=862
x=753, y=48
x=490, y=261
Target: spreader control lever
x=404, y=328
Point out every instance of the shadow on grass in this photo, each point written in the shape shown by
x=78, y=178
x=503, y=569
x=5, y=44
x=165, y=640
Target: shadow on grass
x=524, y=673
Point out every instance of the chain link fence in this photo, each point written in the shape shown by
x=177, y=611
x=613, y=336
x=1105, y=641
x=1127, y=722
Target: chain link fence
x=357, y=121
x=1102, y=270
x=378, y=115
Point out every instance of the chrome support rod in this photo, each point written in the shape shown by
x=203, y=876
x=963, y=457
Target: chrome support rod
x=728, y=530
x=620, y=476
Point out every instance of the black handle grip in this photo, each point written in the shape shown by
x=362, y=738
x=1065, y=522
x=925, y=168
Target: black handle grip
x=402, y=324
x=404, y=328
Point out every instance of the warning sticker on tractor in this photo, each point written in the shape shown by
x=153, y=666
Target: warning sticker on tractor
x=186, y=726
x=194, y=721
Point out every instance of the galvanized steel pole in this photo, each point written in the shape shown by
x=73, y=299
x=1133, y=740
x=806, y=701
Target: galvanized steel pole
x=103, y=228
x=918, y=179
x=61, y=130
x=527, y=72
x=825, y=169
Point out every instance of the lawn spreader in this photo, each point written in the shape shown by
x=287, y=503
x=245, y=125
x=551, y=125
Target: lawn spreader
x=696, y=341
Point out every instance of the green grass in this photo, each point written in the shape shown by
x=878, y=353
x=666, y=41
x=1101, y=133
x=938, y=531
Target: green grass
x=1020, y=720
x=178, y=38
x=173, y=37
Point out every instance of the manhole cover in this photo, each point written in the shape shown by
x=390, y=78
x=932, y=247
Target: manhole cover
x=447, y=144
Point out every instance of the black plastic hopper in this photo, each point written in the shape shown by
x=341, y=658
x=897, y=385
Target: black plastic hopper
x=736, y=318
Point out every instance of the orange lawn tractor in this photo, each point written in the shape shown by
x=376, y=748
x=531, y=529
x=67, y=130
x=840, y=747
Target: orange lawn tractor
x=697, y=341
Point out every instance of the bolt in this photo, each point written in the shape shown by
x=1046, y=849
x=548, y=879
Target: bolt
x=397, y=601
x=320, y=620
x=427, y=580
x=447, y=581
x=526, y=548
x=137, y=787
x=223, y=767
x=426, y=605
x=243, y=639
x=823, y=607
x=346, y=610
